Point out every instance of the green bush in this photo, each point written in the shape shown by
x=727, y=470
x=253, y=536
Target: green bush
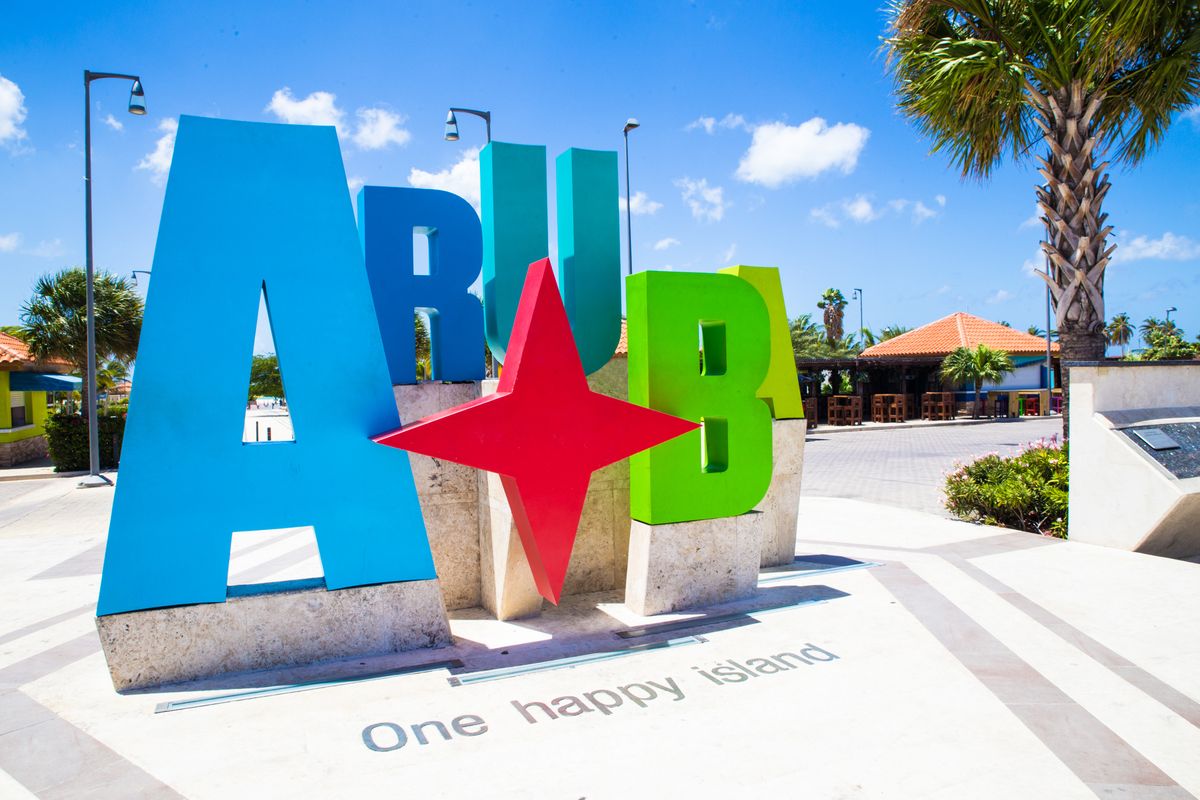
x=1027, y=491
x=67, y=440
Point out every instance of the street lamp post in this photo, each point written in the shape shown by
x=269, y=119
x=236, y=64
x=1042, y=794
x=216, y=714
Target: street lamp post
x=452, y=122
x=630, y=124
x=137, y=106
x=1169, y=310
x=858, y=295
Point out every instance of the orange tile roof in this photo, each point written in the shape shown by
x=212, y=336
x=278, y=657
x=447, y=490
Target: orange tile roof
x=947, y=334
x=622, y=350
x=14, y=354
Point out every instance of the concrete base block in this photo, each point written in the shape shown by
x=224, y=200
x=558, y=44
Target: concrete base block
x=296, y=623
x=683, y=565
x=449, y=495
x=780, y=506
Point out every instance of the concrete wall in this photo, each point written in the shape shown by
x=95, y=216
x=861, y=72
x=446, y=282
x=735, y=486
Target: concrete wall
x=1120, y=496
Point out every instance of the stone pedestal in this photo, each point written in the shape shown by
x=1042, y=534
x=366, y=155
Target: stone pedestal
x=449, y=495
x=780, y=507
x=682, y=565
x=599, y=557
x=292, y=623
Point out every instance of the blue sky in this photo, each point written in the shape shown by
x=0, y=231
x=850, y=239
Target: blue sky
x=769, y=137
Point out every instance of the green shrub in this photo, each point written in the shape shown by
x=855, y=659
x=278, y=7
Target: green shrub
x=67, y=440
x=1027, y=491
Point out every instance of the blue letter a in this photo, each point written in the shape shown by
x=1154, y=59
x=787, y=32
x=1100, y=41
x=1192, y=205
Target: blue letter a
x=249, y=205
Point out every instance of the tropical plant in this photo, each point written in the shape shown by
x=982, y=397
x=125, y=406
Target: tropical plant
x=1167, y=344
x=1119, y=331
x=1089, y=79
x=54, y=320
x=265, y=378
x=13, y=330
x=892, y=331
x=1034, y=330
x=807, y=339
x=113, y=371
x=1027, y=491
x=833, y=303
x=983, y=364
x=1153, y=325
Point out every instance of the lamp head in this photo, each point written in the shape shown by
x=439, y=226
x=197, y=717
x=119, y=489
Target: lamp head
x=451, y=127
x=137, y=99
x=630, y=124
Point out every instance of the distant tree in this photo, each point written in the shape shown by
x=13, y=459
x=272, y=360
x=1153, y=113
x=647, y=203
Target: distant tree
x=983, y=364
x=421, y=338
x=1006, y=323
x=265, y=379
x=807, y=340
x=1119, y=331
x=108, y=376
x=1167, y=344
x=54, y=320
x=13, y=330
x=892, y=331
x=1034, y=330
x=833, y=303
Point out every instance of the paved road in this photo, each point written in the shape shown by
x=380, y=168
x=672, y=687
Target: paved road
x=907, y=467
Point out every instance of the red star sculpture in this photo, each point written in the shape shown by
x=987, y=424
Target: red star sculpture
x=544, y=431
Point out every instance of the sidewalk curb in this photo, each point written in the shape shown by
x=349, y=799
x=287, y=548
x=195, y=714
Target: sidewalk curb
x=41, y=476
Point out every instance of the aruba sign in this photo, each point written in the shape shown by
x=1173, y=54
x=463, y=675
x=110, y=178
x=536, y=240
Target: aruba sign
x=253, y=208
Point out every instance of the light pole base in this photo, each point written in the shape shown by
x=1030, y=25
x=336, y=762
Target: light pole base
x=92, y=481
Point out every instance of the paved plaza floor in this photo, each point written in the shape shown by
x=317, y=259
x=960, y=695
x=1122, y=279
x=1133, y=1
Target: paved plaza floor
x=903, y=655
x=906, y=467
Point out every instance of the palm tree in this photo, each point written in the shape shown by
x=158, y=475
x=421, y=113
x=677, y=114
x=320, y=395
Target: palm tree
x=892, y=331
x=1119, y=331
x=986, y=79
x=54, y=320
x=421, y=339
x=1034, y=330
x=807, y=339
x=833, y=302
x=976, y=366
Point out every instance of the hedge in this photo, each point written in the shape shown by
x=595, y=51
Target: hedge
x=1027, y=492
x=67, y=440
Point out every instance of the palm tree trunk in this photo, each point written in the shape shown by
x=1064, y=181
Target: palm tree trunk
x=1076, y=233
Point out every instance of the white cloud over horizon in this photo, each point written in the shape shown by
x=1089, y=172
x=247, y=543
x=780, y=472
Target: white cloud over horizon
x=461, y=178
x=113, y=122
x=318, y=108
x=378, y=128
x=663, y=244
x=158, y=161
x=710, y=124
x=12, y=114
x=53, y=248
x=862, y=209
x=1167, y=247
x=999, y=296
x=707, y=203
x=9, y=242
x=640, y=204
x=780, y=153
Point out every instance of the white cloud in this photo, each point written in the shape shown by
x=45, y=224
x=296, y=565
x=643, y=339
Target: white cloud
x=706, y=202
x=378, y=128
x=113, y=122
x=9, y=242
x=860, y=209
x=922, y=212
x=899, y=204
x=48, y=249
x=355, y=183
x=781, y=153
x=710, y=124
x=1034, y=220
x=940, y=199
x=640, y=204
x=319, y=108
x=1167, y=247
x=462, y=178
x=158, y=162
x=663, y=244
x=1193, y=114
x=12, y=114
x=825, y=216
x=999, y=296
x=1034, y=264
x=730, y=252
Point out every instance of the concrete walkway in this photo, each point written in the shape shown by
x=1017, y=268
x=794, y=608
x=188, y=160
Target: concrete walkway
x=938, y=660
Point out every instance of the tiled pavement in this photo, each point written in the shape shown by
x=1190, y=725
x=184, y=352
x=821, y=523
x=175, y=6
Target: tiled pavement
x=906, y=467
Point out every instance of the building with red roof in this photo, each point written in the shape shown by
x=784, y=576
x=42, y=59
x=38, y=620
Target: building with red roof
x=24, y=382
